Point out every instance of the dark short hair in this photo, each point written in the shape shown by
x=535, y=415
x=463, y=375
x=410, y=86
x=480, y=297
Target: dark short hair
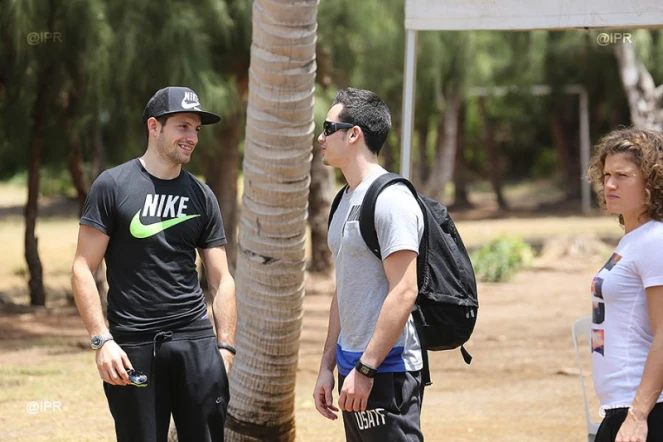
x=163, y=119
x=645, y=149
x=366, y=110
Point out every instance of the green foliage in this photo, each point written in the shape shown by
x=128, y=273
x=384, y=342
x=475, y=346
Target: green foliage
x=501, y=258
x=114, y=55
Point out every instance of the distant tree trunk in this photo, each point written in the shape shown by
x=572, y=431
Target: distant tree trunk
x=566, y=145
x=494, y=162
x=320, y=197
x=446, y=147
x=461, y=197
x=78, y=177
x=424, y=164
x=387, y=153
x=221, y=173
x=36, y=282
x=323, y=76
x=98, y=153
x=644, y=98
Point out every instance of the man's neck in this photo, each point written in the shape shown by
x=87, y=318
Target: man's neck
x=357, y=171
x=160, y=167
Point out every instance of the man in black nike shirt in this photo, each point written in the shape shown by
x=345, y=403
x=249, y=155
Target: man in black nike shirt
x=147, y=218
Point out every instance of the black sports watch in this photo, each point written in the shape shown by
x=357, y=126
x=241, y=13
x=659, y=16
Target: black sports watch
x=98, y=341
x=366, y=369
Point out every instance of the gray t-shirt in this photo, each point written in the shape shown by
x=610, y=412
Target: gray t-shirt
x=361, y=283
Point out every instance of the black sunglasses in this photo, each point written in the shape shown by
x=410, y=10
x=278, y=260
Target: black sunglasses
x=329, y=127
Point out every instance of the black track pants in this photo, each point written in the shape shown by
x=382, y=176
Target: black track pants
x=186, y=377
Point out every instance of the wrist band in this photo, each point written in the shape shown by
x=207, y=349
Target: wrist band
x=230, y=348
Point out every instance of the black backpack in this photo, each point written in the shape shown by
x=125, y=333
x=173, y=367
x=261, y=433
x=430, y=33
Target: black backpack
x=446, y=308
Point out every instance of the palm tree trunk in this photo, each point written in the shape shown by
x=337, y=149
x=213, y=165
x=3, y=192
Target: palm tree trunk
x=272, y=228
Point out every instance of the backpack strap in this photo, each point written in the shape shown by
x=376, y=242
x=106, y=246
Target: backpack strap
x=419, y=327
x=334, y=206
x=367, y=213
x=367, y=219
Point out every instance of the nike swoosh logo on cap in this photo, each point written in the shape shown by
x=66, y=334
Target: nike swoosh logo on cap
x=140, y=230
x=189, y=105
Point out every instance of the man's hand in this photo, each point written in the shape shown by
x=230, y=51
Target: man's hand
x=228, y=359
x=323, y=395
x=355, y=391
x=632, y=430
x=113, y=363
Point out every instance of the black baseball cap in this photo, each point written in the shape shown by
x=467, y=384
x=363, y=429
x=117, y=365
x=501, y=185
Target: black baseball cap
x=175, y=100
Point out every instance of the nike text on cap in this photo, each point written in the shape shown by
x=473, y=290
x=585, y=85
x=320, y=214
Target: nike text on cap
x=174, y=100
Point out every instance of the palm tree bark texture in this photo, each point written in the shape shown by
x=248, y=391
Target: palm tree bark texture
x=272, y=226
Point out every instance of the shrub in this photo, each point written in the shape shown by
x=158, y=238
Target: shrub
x=501, y=258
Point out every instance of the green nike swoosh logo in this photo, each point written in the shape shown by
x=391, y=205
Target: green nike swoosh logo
x=140, y=230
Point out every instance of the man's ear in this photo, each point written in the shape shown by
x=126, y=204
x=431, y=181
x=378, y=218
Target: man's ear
x=153, y=126
x=354, y=134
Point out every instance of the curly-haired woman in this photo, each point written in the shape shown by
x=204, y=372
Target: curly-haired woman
x=627, y=293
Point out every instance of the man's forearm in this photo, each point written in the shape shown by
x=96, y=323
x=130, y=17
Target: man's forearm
x=390, y=324
x=224, y=308
x=328, y=361
x=87, y=300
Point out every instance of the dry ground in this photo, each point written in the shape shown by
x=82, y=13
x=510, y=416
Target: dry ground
x=522, y=385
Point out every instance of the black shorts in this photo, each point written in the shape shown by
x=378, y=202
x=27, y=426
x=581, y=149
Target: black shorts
x=393, y=412
x=186, y=377
x=614, y=418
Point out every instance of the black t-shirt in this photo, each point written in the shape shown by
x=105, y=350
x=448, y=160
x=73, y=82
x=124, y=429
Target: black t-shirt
x=154, y=227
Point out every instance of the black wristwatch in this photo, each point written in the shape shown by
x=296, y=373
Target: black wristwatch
x=366, y=369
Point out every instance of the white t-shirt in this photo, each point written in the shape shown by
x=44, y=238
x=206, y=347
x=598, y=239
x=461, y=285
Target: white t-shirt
x=621, y=331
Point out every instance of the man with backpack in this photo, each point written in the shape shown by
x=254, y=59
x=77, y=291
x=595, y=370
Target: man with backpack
x=372, y=337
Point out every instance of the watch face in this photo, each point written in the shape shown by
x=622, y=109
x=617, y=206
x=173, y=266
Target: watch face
x=364, y=370
x=96, y=340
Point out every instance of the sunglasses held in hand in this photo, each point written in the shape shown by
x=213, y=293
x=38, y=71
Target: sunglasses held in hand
x=137, y=378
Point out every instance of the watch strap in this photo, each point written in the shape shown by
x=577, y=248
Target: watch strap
x=365, y=369
x=230, y=348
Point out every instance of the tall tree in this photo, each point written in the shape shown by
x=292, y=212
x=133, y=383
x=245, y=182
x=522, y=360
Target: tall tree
x=271, y=246
x=38, y=61
x=495, y=172
x=645, y=99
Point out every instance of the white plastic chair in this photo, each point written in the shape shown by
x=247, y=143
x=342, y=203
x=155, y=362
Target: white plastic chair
x=583, y=326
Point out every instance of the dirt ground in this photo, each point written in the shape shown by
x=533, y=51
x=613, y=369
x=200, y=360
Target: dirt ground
x=522, y=385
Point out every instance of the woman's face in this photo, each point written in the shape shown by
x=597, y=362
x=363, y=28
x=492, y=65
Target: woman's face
x=623, y=186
